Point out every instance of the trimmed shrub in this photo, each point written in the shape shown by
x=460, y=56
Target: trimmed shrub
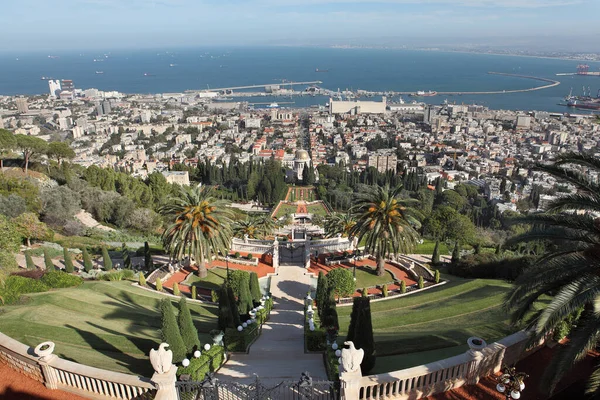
x=16, y=286
x=455, y=254
x=148, y=263
x=421, y=283
x=170, y=331
x=436, y=276
x=214, y=296
x=225, y=312
x=158, y=284
x=384, y=290
x=330, y=316
x=360, y=332
x=249, y=256
x=321, y=295
x=402, y=287
x=341, y=282
x=194, y=292
x=189, y=334
x=315, y=340
x=210, y=361
x=435, y=257
x=176, y=291
x=29, y=261
x=126, y=257
x=561, y=330
x=48, y=261
x=490, y=266
x=68, y=262
x=58, y=279
x=141, y=279
x=235, y=314
x=87, y=261
x=236, y=277
x=237, y=254
x=108, y=265
x=245, y=303
x=364, y=292
x=255, y=287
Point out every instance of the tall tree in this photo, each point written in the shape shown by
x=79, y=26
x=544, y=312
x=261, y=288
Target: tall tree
x=201, y=227
x=29, y=260
x=68, y=261
x=569, y=272
x=322, y=292
x=226, y=319
x=148, y=263
x=48, y=261
x=30, y=227
x=108, y=264
x=338, y=223
x=255, y=288
x=30, y=146
x=435, y=257
x=60, y=151
x=235, y=313
x=87, y=261
x=8, y=142
x=360, y=332
x=170, y=331
x=385, y=223
x=189, y=334
x=127, y=264
x=245, y=300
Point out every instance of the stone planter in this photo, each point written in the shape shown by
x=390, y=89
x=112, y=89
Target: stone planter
x=476, y=343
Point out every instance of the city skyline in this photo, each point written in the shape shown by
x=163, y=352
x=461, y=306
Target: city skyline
x=95, y=24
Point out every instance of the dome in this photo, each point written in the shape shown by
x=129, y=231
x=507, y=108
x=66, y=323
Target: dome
x=302, y=155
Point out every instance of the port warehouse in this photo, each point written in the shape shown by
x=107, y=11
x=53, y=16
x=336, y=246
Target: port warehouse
x=357, y=107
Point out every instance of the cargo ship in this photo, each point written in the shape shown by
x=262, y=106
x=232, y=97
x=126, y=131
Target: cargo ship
x=585, y=102
x=422, y=93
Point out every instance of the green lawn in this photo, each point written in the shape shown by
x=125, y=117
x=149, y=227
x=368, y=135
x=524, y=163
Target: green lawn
x=366, y=277
x=317, y=209
x=285, y=209
x=109, y=325
x=428, y=245
x=213, y=281
x=435, y=324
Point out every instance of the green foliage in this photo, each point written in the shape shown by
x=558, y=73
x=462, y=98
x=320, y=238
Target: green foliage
x=59, y=279
x=239, y=341
x=384, y=290
x=189, y=334
x=455, y=254
x=16, y=286
x=10, y=240
x=23, y=189
x=60, y=151
x=194, y=293
x=30, y=227
x=446, y=223
x=364, y=292
x=322, y=291
x=176, y=291
x=226, y=319
x=402, y=287
x=30, y=146
x=29, y=260
x=158, y=284
x=8, y=263
x=315, y=340
x=249, y=257
x=148, y=263
x=421, y=283
x=108, y=265
x=341, y=282
x=214, y=296
x=360, y=332
x=236, y=277
x=68, y=261
x=255, y=288
x=142, y=279
x=435, y=258
x=235, y=313
x=436, y=277
x=48, y=261
x=170, y=331
x=209, y=361
x=561, y=330
x=236, y=255
x=87, y=261
x=126, y=257
x=491, y=266
x=245, y=298
x=330, y=317
x=117, y=275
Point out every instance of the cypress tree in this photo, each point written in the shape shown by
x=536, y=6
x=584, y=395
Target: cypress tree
x=225, y=314
x=437, y=276
x=363, y=292
x=170, y=331
x=360, y=332
x=176, y=290
x=158, y=284
x=330, y=316
x=48, y=261
x=321, y=295
x=245, y=300
x=435, y=258
x=68, y=262
x=108, y=265
x=421, y=283
x=255, y=288
x=87, y=261
x=126, y=257
x=142, y=279
x=29, y=261
x=455, y=253
x=402, y=287
x=147, y=257
x=235, y=313
x=189, y=334
x=194, y=293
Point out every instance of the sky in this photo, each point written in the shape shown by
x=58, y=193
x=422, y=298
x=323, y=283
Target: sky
x=107, y=24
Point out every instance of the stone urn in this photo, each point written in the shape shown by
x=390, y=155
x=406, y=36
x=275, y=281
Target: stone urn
x=44, y=350
x=476, y=343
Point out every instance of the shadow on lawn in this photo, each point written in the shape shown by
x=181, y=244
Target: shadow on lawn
x=143, y=345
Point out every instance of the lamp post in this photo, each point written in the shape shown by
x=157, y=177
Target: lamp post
x=227, y=266
x=510, y=383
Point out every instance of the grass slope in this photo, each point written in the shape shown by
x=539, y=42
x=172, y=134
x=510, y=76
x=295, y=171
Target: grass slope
x=435, y=324
x=213, y=281
x=366, y=277
x=428, y=245
x=109, y=325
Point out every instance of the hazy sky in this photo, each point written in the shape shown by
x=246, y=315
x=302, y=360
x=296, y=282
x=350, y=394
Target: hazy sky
x=83, y=24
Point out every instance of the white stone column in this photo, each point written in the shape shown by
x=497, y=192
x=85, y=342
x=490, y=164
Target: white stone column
x=276, y=254
x=44, y=352
x=350, y=385
x=165, y=385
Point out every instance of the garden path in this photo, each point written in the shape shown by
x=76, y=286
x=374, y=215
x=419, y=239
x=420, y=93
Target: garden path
x=278, y=354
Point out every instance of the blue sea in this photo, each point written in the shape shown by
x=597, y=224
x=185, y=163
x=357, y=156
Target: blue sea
x=367, y=69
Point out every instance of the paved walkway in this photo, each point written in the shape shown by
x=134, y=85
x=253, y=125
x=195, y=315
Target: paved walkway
x=278, y=354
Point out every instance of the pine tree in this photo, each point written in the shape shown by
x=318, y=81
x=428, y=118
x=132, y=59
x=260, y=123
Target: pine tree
x=87, y=261
x=189, y=334
x=176, y=291
x=321, y=295
x=48, y=261
x=158, y=284
x=402, y=287
x=435, y=258
x=142, y=279
x=126, y=256
x=255, y=287
x=29, y=261
x=235, y=313
x=108, y=265
x=455, y=254
x=360, y=332
x=68, y=262
x=147, y=257
x=245, y=300
x=170, y=331
x=194, y=293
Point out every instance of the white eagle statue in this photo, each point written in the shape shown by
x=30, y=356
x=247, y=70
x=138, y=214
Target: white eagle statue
x=161, y=359
x=351, y=358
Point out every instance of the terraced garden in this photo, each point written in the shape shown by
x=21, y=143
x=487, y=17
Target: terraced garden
x=109, y=325
x=435, y=324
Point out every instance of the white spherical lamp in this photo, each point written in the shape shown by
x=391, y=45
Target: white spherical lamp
x=340, y=360
x=515, y=394
x=185, y=362
x=334, y=346
x=338, y=353
x=240, y=328
x=249, y=321
x=207, y=347
x=245, y=325
x=197, y=354
x=312, y=328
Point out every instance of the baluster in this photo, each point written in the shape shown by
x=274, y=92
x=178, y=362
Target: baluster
x=104, y=387
x=110, y=388
x=69, y=377
x=128, y=390
x=78, y=381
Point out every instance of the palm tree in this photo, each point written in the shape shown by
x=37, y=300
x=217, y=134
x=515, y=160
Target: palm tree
x=338, y=223
x=264, y=223
x=569, y=272
x=201, y=227
x=246, y=227
x=385, y=222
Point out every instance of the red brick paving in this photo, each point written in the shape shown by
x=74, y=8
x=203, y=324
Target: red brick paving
x=302, y=209
x=16, y=386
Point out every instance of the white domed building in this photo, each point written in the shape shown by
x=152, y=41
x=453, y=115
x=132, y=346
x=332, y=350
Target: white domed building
x=301, y=161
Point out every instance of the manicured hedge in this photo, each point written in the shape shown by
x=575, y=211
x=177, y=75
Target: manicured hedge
x=57, y=279
x=209, y=361
x=16, y=286
x=490, y=266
